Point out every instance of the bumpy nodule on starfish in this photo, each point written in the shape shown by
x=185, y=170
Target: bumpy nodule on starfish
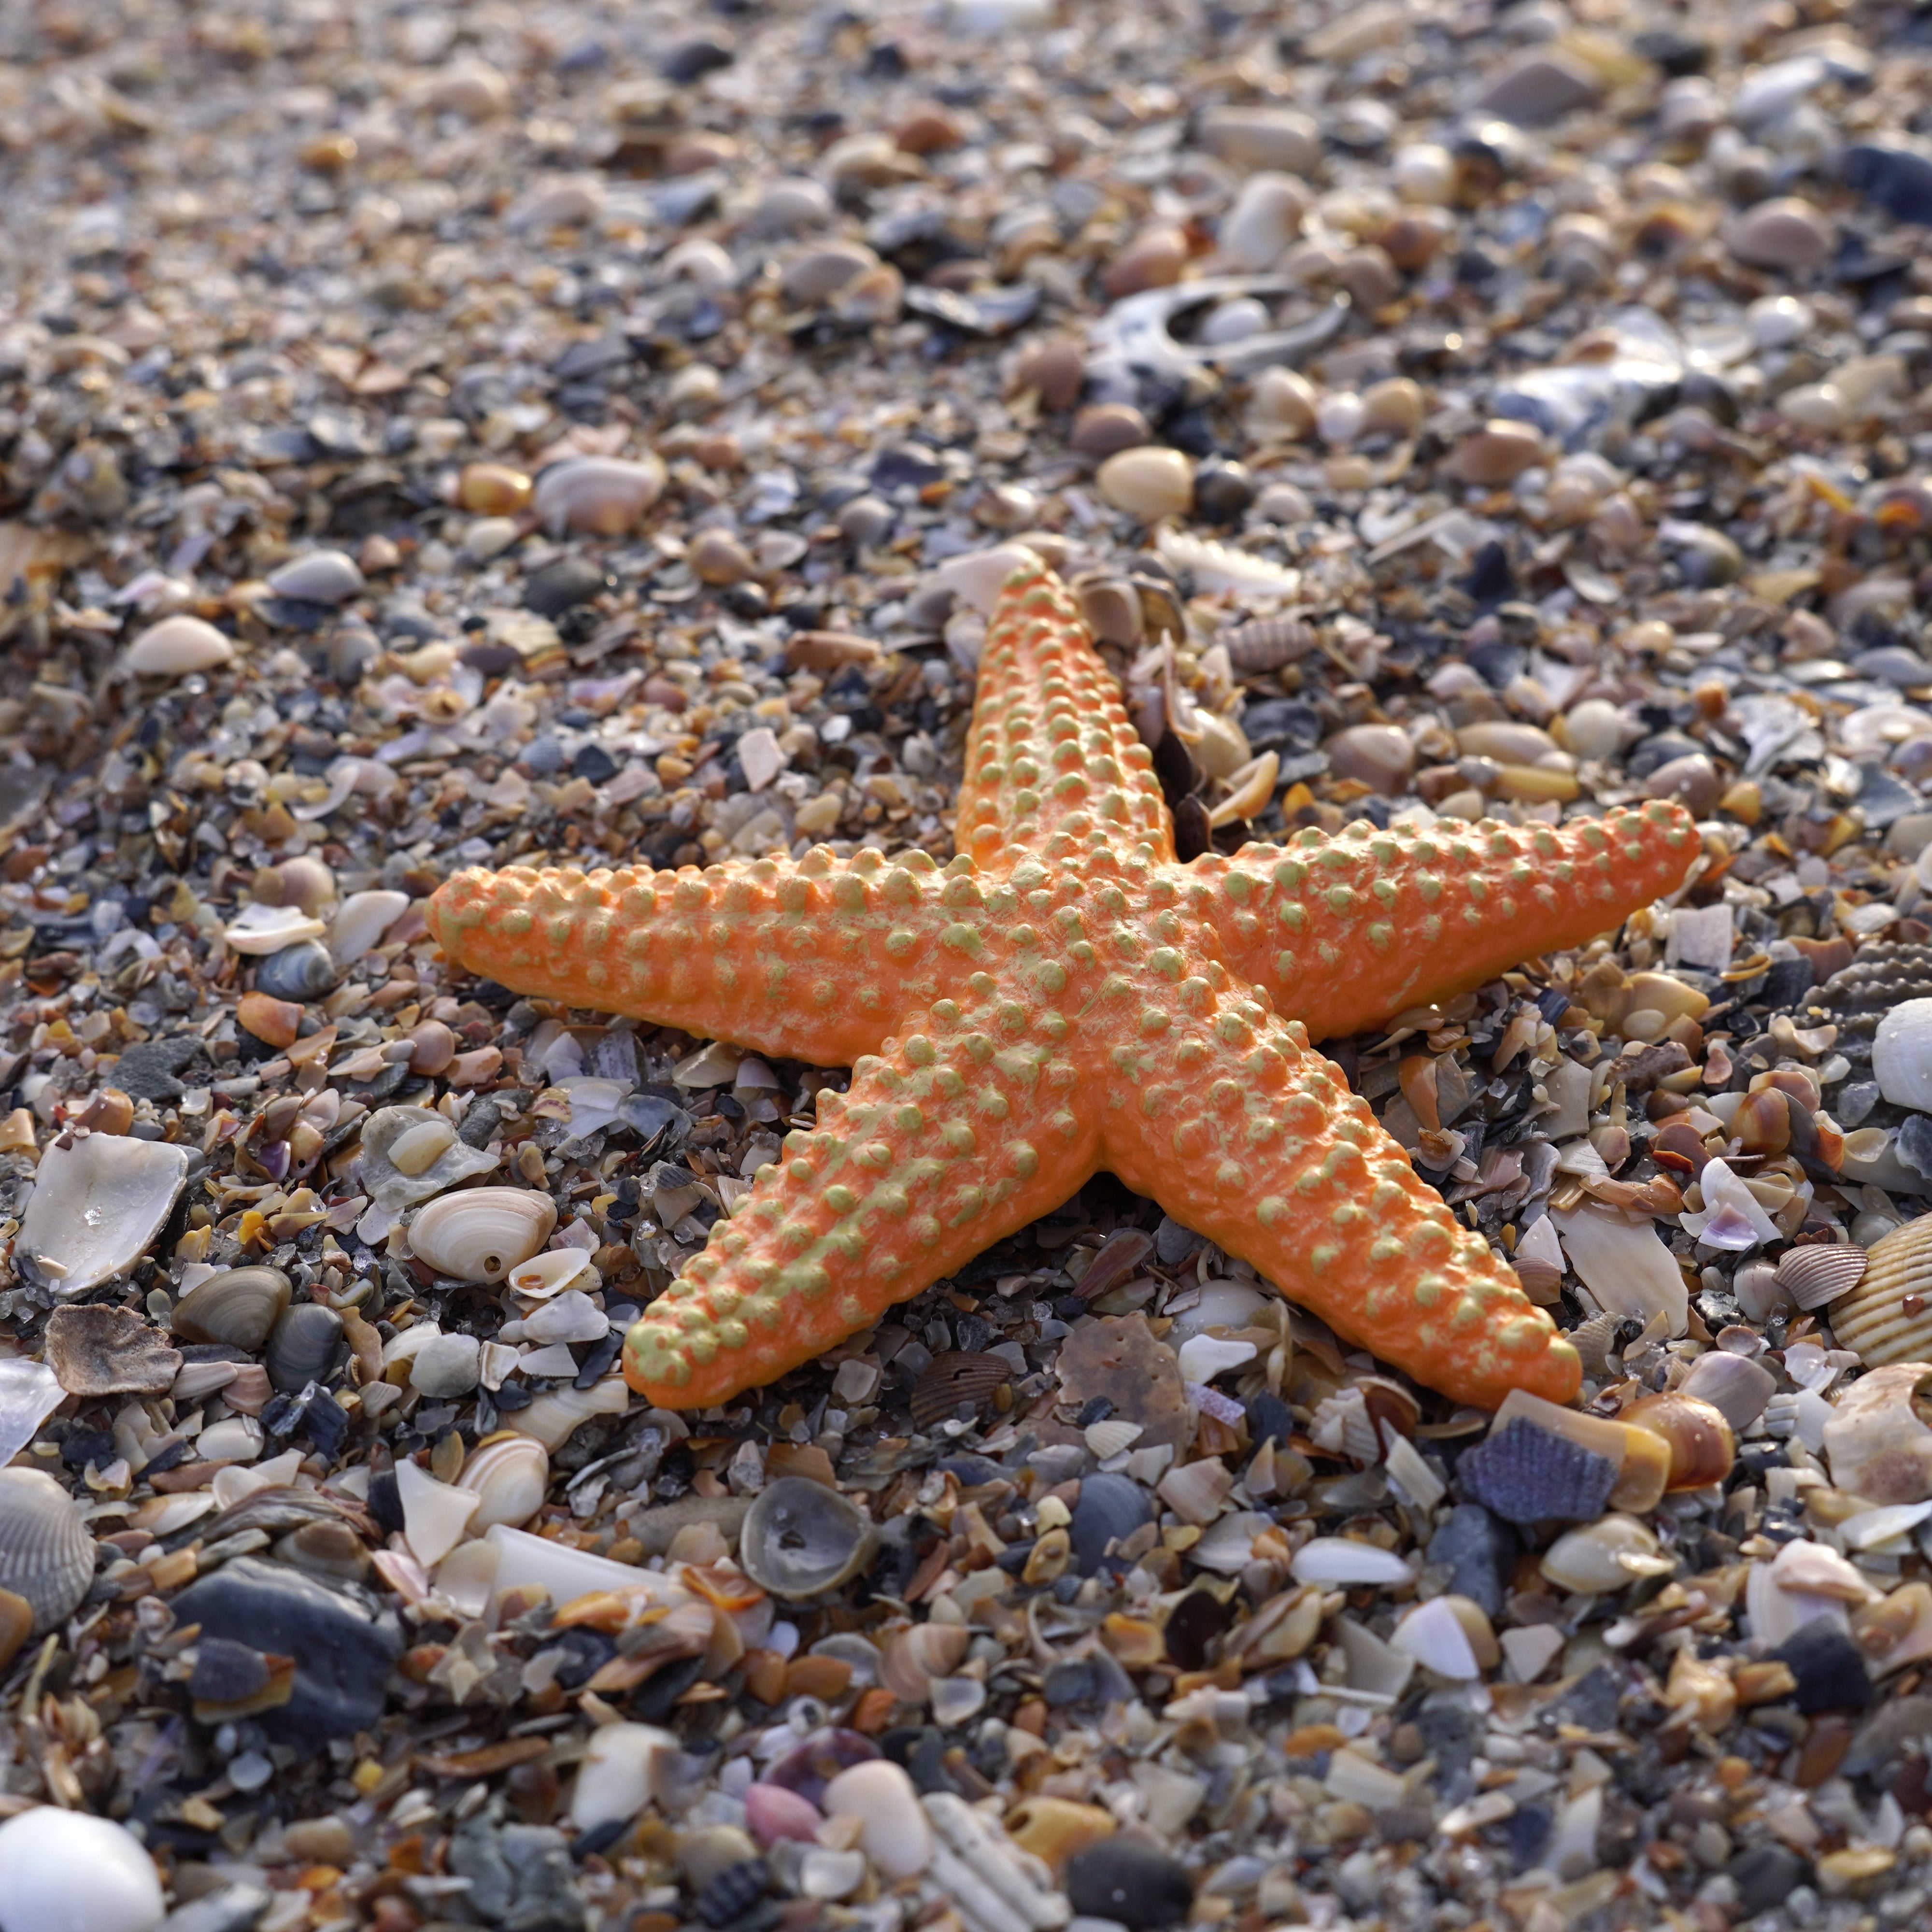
x=1065, y=996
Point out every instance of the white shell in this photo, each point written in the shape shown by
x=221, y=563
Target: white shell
x=1624, y=1265
x=321, y=576
x=571, y=1316
x=552, y=1272
x=551, y=1416
x=47, y=1555
x=601, y=495
x=625, y=1766
x=361, y=921
x=510, y=1478
x=97, y=1204
x=481, y=1235
x=1216, y=566
x=263, y=929
x=416, y=1148
x=69, y=1871
x=1902, y=1054
x=1341, y=1559
x=176, y=646
x=435, y=1516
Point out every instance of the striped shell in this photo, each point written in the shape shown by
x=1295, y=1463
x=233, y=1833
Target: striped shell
x=1268, y=644
x=46, y=1556
x=1888, y=1316
x=1814, y=1275
x=954, y=1378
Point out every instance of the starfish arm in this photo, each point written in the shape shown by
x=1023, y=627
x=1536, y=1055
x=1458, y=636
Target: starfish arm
x=1244, y=1133
x=810, y=960
x=947, y=1141
x=1344, y=932
x=1051, y=759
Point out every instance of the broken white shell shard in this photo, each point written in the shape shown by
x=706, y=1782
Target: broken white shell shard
x=596, y=1103
x=1433, y=1635
x=535, y=1562
x=1732, y=1216
x=435, y=1516
x=263, y=929
x=30, y=1392
x=1341, y=1559
x=623, y=1768
x=391, y=1186
x=1624, y=1264
x=553, y=1272
x=177, y=646
x=96, y=1205
x=1205, y=1357
x=321, y=577
x=1217, y=566
x=571, y=1316
x=602, y=496
x=1377, y=1672
x=1223, y=1304
x=975, y=578
x=551, y=1418
x=1870, y=1527
x=1875, y=1439
x=361, y=921
x=466, y=1578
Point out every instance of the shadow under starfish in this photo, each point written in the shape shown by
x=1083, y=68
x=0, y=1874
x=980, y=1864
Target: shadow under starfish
x=1065, y=996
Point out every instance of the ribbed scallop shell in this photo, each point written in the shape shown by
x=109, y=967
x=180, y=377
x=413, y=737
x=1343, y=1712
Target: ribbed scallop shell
x=1813, y=1275
x=46, y=1556
x=1888, y=1316
x=482, y=1234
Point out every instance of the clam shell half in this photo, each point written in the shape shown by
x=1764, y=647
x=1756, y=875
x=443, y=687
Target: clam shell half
x=1888, y=1316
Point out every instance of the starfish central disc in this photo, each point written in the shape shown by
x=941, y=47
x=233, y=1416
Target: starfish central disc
x=1065, y=996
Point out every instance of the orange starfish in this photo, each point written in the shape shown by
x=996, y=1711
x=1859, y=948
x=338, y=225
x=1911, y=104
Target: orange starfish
x=1063, y=997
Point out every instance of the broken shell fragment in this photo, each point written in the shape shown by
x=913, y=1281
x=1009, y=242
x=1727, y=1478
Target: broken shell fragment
x=556, y=1271
x=100, y=1350
x=1736, y=1387
x=1613, y=1552
x=239, y=1307
x=302, y=1348
x=800, y=1538
x=1887, y=1316
x=1877, y=1441
x=96, y=1206
x=1702, y=1445
x=602, y=496
x=46, y=1556
x=482, y=1234
x=412, y=1153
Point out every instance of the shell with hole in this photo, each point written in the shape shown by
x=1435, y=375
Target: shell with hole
x=482, y=1234
x=46, y=1556
x=1888, y=1316
x=800, y=1538
x=412, y=1153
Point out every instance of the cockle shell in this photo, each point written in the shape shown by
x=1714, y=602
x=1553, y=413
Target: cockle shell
x=46, y=1556
x=1813, y=1276
x=97, y=1204
x=1887, y=1317
x=239, y=1307
x=511, y=1475
x=915, y=1657
x=482, y=1234
x=390, y=1184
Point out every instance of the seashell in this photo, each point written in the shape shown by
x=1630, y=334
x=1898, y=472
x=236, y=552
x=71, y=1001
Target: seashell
x=1702, y=1446
x=555, y=1271
x=303, y=1345
x=1814, y=1275
x=361, y=921
x=417, y=1148
x=1897, y=1630
x=602, y=496
x=306, y=882
x=239, y=1307
x=1613, y=1552
x=1108, y=1510
x=1215, y=566
x=1737, y=1387
x=62, y=1870
x=800, y=1538
x=325, y=1549
x=1110, y=1437
x=433, y=1047
x=1886, y=1316
x=46, y=1556
x=510, y=1475
x=1110, y=607
x=97, y=1204
x=1878, y=1442
x=177, y=646
x=263, y=929
x=248, y=1393
x=393, y=1187
x=1527, y=1474
x=1594, y=1340
x=1267, y=644
x=436, y=1516
x=1347, y=1561
x=954, y=1379
x=100, y=1350
x=552, y=1417
x=302, y=972
x=916, y=1656
x=1625, y=1264
x=1641, y=1458
x=320, y=577
x=482, y=1233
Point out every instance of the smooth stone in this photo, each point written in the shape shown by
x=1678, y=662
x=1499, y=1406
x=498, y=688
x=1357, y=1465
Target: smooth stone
x=716, y=556
x=1893, y=175
x=562, y=586
x=1594, y=729
x=1708, y=558
x=1149, y=482
x=1692, y=780
x=1497, y=453
x=447, y=1365
x=1785, y=233
x=1265, y=218
x=321, y=576
x=1902, y=1055
x=1765, y=1876
x=1480, y=1553
x=1538, y=87
x=69, y=1871
x=1104, y=429
x=177, y=646
x=821, y=272
x=1379, y=756
x=1131, y=1883
x=1263, y=137
x=1152, y=260
x=1056, y=369
x=894, y=1833
x=787, y=207
x=343, y=1643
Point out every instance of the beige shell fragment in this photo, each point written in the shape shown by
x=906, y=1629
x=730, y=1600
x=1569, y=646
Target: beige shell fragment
x=1877, y=1442
x=97, y=1204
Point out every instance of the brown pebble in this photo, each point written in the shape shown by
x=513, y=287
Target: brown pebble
x=828, y=650
x=1498, y=453
x=824, y=1677
x=1149, y=482
x=1152, y=260
x=1822, y=1752
x=1693, y=779
x=434, y=1047
x=110, y=1111
x=928, y=131
x=1055, y=370
x=1102, y=429
x=492, y=490
x=268, y=1018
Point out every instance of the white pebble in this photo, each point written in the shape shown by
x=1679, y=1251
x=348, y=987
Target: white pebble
x=1902, y=1055
x=69, y=1871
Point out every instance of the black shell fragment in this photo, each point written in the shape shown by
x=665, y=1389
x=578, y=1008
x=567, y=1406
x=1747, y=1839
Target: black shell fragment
x=1525, y=1474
